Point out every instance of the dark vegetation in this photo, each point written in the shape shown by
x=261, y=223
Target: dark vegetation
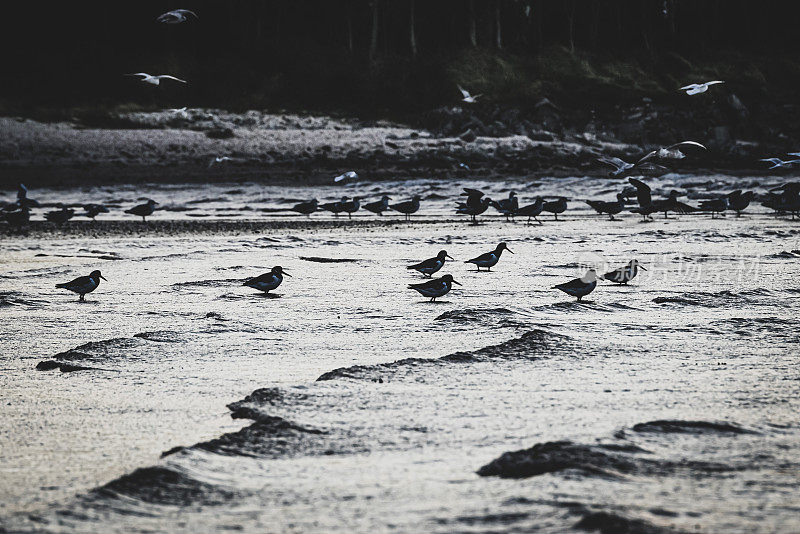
x=393, y=58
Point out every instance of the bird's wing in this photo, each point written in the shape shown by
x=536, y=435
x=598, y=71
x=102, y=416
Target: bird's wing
x=715, y=82
x=685, y=144
x=614, y=162
x=472, y=192
x=771, y=160
x=464, y=92
x=680, y=207
x=483, y=257
x=572, y=284
x=168, y=77
x=640, y=186
x=187, y=12
x=142, y=74
x=795, y=154
x=647, y=157
x=425, y=285
x=690, y=86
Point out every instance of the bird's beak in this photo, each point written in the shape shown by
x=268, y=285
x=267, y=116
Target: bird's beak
x=456, y=283
x=509, y=250
x=104, y=278
x=642, y=267
x=286, y=274
x=449, y=256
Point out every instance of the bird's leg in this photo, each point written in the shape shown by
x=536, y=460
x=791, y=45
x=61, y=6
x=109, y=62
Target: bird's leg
x=579, y=299
x=538, y=221
x=81, y=298
x=555, y=215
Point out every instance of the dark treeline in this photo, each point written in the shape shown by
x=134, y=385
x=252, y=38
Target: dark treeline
x=385, y=55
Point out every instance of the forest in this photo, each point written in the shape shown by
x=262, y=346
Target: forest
x=391, y=57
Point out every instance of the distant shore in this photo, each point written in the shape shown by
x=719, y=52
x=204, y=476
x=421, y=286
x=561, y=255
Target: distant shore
x=181, y=147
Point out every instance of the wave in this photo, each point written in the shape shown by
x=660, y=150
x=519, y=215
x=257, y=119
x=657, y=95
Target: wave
x=166, y=486
x=714, y=299
x=318, y=259
x=531, y=345
x=608, y=523
x=209, y=283
x=474, y=315
x=669, y=426
x=103, y=350
x=617, y=459
x=9, y=299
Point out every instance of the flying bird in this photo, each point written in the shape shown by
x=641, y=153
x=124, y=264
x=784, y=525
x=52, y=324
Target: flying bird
x=83, y=284
x=431, y=265
x=349, y=175
x=580, y=287
x=466, y=97
x=489, y=259
x=670, y=152
x=220, y=159
x=176, y=16
x=625, y=274
x=155, y=80
x=268, y=281
x=435, y=288
x=620, y=166
x=777, y=162
x=697, y=88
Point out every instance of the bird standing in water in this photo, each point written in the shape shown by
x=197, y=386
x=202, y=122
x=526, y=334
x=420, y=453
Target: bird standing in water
x=738, y=201
x=408, y=207
x=143, y=210
x=489, y=259
x=625, y=274
x=532, y=210
x=83, y=284
x=580, y=287
x=431, y=265
x=435, y=288
x=335, y=207
x=556, y=206
x=611, y=208
x=306, y=208
x=379, y=206
x=268, y=281
x=61, y=216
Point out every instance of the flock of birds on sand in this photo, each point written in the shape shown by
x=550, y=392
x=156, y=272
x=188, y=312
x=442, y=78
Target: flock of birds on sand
x=784, y=199
x=432, y=289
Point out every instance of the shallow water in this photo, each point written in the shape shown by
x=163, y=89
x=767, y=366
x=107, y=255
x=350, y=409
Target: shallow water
x=705, y=340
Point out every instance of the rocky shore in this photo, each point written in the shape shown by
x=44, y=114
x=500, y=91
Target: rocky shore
x=182, y=145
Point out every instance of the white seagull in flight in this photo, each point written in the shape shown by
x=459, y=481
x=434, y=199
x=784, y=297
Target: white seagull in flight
x=176, y=16
x=155, y=80
x=468, y=98
x=349, y=175
x=697, y=88
x=777, y=162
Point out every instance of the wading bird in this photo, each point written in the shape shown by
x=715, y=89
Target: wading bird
x=143, y=210
x=268, y=281
x=83, y=284
x=435, y=288
x=489, y=259
x=431, y=265
x=407, y=207
x=610, y=208
x=580, y=287
x=625, y=274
